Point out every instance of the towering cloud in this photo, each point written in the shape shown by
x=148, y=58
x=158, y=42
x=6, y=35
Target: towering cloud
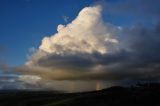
x=75, y=48
x=89, y=51
x=86, y=34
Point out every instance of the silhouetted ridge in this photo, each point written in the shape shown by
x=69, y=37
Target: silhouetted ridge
x=141, y=94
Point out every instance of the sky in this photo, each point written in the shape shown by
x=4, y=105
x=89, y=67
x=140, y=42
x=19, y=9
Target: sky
x=78, y=45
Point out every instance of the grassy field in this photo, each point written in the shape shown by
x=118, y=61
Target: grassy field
x=143, y=95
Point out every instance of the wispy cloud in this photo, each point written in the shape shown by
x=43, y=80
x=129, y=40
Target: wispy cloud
x=65, y=18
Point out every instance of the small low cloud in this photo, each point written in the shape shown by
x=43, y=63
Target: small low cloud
x=65, y=18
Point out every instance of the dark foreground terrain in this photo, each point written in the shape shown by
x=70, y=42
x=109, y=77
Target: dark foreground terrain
x=140, y=95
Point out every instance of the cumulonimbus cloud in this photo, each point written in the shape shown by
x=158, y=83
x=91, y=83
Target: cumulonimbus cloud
x=90, y=49
x=75, y=48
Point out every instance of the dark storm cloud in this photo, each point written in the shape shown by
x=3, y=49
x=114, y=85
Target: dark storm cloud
x=142, y=46
x=82, y=60
x=138, y=58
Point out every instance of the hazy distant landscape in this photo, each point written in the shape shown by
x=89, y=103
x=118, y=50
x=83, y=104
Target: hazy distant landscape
x=139, y=95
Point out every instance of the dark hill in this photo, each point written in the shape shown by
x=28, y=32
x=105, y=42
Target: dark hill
x=140, y=95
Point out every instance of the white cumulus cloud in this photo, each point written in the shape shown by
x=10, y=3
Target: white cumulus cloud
x=73, y=52
x=86, y=34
